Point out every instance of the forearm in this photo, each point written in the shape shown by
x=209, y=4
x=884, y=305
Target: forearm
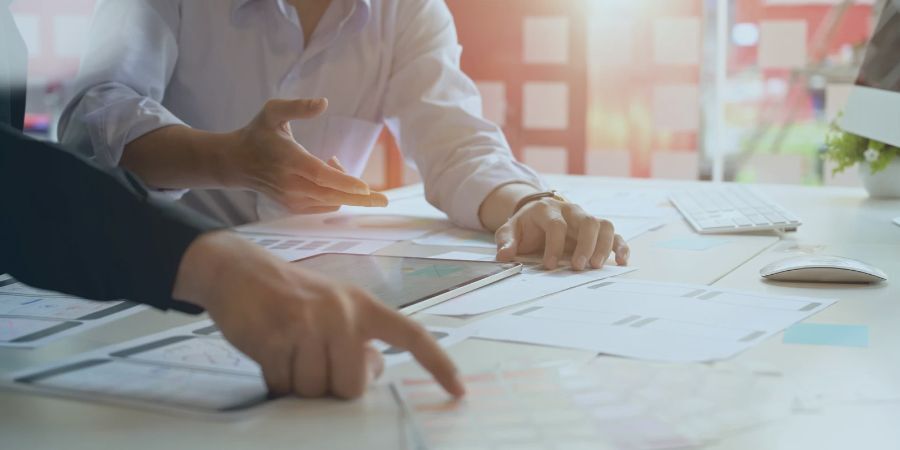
x=501, y=203
x=180, y=157
x=84, y=231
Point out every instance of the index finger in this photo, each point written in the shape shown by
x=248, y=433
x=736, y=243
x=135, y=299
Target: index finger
x=322, y=174
x=397, y=330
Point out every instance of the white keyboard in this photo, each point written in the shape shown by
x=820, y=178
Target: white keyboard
x=731, y=209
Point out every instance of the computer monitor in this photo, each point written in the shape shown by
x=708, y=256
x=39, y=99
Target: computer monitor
x=873, y=106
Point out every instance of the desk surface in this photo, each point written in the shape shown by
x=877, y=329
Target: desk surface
x=837, y=221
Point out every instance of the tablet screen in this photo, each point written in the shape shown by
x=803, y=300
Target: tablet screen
x=403, y=281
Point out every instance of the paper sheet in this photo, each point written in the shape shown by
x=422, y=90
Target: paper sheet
x=297, y=247
x=628, y=227
x=33, y=317
x=609, y=403
x=695, y=243
x=189, y=369
x=649, y=320
x=403, y=219
x=532, y=283
x=625, y=203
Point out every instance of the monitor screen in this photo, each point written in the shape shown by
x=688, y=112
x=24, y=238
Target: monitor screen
x=874, y=102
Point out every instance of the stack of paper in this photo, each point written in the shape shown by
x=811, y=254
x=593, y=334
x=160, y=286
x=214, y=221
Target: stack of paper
x=648, y=320
x=187, y=369
x=610, y=403
x=31, y=317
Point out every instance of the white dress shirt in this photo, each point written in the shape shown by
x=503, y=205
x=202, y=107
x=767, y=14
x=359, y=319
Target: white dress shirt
x=212, y=65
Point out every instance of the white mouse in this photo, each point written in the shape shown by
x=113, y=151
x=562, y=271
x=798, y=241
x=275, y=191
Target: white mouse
x=822, y=269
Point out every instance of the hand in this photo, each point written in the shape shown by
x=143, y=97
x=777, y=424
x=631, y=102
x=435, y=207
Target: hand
x=267, y=159
x=557, y=226
x=310, y=335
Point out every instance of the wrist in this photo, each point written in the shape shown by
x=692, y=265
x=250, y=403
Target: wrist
x=223, y=159
x=500, y=204
x=204, y=266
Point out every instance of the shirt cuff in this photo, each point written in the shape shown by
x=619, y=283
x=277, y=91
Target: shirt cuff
x=113, y=127
x=474, y=189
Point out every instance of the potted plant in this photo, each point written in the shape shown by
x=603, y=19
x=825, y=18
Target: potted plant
x=879, y=163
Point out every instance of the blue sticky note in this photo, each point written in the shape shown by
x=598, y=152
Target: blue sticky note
x=697, y=243
x=827, y=334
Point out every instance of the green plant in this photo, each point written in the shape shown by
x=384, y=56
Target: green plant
x=847, y=149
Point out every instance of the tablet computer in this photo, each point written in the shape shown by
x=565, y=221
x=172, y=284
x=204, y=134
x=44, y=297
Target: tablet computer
x=406, y=283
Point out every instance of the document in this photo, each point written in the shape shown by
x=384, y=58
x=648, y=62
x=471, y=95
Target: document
x=531, y=284
x=292, y=248
x=32, y=317
x=648, y=203
x=649, y=320
x=403, y=219
x=190, y=369
x=608, y=403
x=628, y=227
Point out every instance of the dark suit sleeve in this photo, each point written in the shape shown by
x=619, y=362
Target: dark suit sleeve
x=71, y=227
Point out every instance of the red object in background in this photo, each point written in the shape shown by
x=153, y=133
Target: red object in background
x=491, y=37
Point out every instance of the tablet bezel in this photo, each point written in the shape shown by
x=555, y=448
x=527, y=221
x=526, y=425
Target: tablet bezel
x=504, y=270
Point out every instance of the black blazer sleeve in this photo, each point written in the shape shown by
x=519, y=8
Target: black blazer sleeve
x=69, y=226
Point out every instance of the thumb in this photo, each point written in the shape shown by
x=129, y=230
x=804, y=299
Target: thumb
x=507, y=242
x=278, y=111
x=336, y=163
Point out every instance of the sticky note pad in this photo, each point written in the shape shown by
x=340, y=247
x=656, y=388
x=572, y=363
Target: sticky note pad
x=827, y=334
x=697, y=243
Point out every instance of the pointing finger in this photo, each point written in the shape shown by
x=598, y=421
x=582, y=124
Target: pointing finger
x=395, y=329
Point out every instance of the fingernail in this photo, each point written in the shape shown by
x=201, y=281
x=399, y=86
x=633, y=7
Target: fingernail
x=579, y=262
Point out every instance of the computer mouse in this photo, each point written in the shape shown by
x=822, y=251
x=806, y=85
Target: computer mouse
x=822, y=269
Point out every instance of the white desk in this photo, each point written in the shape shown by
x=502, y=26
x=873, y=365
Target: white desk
x=836, y=220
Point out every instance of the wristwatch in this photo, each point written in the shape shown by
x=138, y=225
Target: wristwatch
x=537, y=196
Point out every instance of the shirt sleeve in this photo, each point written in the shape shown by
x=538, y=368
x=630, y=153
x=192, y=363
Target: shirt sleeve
x=434, y=111
x=129, y=61
x=72, y=227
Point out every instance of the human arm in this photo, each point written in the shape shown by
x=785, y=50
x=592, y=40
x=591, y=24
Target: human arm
x=469, y=172
x=310, y=335
x=118, y=117
x=71, y=227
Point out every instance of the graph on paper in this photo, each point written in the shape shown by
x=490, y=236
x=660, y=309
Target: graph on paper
x=191, y=368
x=31, y=317
x=292, y=248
